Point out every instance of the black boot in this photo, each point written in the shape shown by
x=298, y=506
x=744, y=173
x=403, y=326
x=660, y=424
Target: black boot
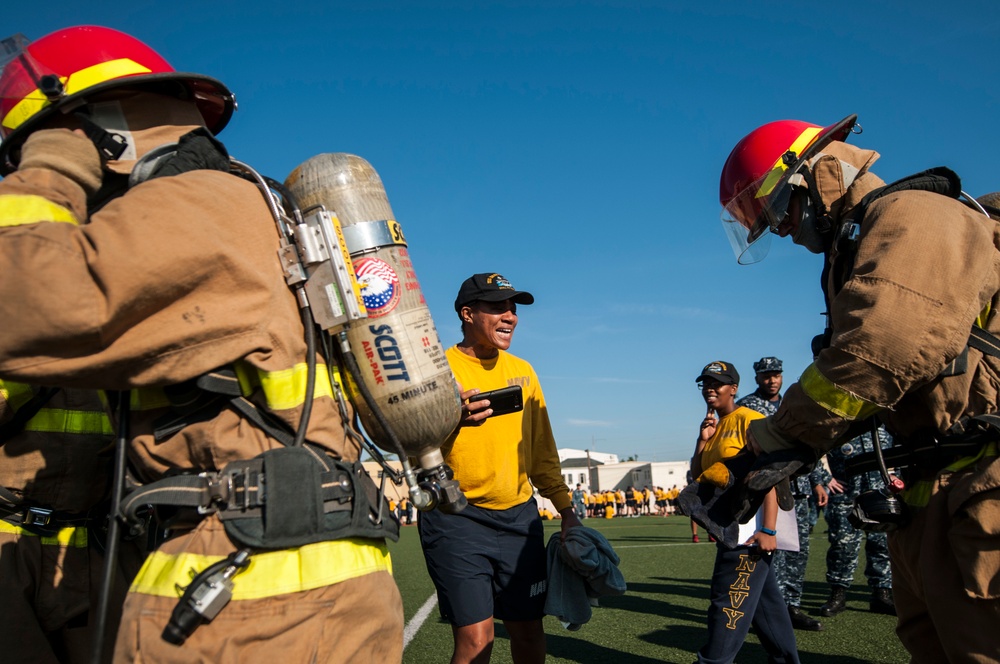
x=882, y=602
x=836, y=603
x=801, y=621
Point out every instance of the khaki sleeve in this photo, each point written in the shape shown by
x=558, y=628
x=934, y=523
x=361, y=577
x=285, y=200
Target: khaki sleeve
x=925, y=269
x=171, y=280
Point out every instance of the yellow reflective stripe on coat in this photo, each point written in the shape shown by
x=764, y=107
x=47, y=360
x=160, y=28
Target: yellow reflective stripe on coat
x=148, y=398
x=74, y=536
x=270, y=573
x=16, y=394
x=837, y=401
x=58, y=420
x=18, y=210
x=284, y=389
x=984, y=316
x=87, y=77
x=779, y=168
x=918, y=494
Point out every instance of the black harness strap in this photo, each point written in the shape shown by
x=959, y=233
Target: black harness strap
x=202, y=398
x=985, y=342
x=240, y=488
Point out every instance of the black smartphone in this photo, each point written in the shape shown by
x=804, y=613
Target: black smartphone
x=503, y=401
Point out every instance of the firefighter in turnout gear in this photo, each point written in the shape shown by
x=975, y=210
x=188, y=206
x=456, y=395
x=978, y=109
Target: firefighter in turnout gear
x=148, y=266
x=55, y=476
x=912, y=279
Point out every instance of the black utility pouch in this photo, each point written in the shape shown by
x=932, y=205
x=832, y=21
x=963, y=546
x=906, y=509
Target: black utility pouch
x=292, y=496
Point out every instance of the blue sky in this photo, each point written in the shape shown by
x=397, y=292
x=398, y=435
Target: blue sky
x=575, y=147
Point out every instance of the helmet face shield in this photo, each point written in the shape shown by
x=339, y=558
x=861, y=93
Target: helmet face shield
x=755, y=188
x=753, y=214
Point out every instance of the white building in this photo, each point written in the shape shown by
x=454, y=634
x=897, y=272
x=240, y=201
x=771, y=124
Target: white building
x=598, y=471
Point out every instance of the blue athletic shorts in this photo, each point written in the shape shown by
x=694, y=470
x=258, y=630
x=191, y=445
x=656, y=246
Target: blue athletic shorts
x=486, y=563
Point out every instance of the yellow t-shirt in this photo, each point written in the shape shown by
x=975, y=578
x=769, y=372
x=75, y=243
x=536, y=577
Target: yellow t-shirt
x=494, y=462
x=730, y=436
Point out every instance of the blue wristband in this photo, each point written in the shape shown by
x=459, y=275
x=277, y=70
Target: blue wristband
x=768, y=531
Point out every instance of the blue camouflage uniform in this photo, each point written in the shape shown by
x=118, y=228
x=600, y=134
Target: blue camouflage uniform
x=579, y=500
x=845, y=539
x=790, y=566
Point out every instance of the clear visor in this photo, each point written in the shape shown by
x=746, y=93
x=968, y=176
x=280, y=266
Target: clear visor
x=750, y=218
x=11, y=47
x=23, y=92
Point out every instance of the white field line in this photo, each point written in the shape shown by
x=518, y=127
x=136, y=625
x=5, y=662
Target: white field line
x=647, y=546
x=417, y=622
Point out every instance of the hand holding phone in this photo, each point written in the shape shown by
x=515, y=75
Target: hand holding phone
x=503, y=401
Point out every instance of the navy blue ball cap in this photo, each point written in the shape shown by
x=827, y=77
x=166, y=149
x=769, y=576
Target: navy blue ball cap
x=489, y=287
x=724, y=372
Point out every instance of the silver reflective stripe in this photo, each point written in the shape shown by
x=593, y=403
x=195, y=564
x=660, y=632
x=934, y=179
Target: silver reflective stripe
x=371, y=235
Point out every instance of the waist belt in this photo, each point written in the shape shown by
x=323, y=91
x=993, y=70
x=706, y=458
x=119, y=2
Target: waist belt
x=240, y=489
x=40, y=520
x=931, y=451
x=286, y=497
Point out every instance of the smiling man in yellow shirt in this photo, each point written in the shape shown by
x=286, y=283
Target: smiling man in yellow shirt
x=488, y=561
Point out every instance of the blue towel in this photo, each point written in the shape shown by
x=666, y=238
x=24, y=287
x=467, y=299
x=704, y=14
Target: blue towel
x=583, y=567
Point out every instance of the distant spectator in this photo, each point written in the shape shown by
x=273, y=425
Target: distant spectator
x=631, y=502
x=768, y=373
x=744, y=589
x=579, y=498
x=845, y=539
x=790, y=566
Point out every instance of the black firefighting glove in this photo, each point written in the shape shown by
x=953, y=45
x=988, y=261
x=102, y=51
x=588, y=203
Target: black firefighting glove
x=774, y=470
x=709, y=499
x=66, y=153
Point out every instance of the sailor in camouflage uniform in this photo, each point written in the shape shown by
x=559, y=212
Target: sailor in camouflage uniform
x=789, y=566
x=845, y=539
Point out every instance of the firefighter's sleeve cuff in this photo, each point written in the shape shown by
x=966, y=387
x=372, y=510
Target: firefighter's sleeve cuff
x=66, y=153
x=769, y=437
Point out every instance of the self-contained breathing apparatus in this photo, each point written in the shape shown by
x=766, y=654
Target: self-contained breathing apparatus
x=882, y=509
x=296, y=494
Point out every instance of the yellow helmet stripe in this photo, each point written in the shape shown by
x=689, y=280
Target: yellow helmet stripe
x=87, y=77
x=17, y=210
x=836, y=400
x=779, y=167
x=270, y=573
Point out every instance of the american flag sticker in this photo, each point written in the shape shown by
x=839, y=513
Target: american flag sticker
x=379, y=285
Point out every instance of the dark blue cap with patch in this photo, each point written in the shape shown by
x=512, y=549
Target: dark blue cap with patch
x=724, y=372
x=489, y=287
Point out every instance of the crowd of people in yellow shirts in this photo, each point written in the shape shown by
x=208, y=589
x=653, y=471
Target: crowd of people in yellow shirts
x=630, y=502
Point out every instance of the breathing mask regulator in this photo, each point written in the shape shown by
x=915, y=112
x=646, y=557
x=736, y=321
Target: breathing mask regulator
x=816, y=230
x=807, y=234
x=880, y=510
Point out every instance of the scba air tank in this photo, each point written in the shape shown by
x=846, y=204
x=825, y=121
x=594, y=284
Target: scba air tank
x=401, y=358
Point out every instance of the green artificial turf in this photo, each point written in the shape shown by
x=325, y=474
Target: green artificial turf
x=661, y=618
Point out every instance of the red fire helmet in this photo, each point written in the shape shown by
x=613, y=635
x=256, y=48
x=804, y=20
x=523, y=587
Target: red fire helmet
x=754, y=189
x=62, y=69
